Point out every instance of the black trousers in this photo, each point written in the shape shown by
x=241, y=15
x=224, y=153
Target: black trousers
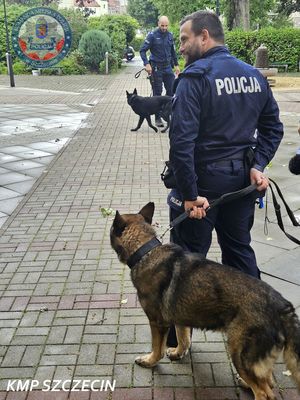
x=232, y=221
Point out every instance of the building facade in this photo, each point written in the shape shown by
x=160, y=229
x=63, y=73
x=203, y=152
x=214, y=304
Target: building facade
x=100, y=7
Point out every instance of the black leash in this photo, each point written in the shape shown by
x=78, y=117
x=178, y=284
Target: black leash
x=138, y=74
x=225, y=198
x=277, y=208
x=149, y=77
x=280, y=279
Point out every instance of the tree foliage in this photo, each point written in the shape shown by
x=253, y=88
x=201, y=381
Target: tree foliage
x=78, y=24
x=287, y=7
x=12, y=12
x=144, y=11
x=120, y=28
x=177, y=9
x=93, y=45
x=259, y=10
x=112, y=23
x=34, y=3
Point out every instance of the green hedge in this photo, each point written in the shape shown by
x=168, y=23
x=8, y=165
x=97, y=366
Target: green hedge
x=137, y=42
x=283, y=45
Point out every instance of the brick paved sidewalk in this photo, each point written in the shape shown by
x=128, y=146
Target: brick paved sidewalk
x=68, y=308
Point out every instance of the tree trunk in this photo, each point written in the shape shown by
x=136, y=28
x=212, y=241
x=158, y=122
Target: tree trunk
x=239, y=15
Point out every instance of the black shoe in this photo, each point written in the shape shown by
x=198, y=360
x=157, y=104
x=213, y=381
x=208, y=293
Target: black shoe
x=159, y=123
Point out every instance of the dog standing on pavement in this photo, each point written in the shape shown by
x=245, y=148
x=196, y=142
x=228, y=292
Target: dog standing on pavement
x=147, y=106
x=185, y=289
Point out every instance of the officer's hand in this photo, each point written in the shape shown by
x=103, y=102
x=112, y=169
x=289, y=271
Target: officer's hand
x=259, y=179
x=197, y=207
x=177, y=70
x=148, y=69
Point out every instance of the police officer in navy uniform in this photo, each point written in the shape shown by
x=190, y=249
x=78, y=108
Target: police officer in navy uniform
x=225, y=129
x=163, y=57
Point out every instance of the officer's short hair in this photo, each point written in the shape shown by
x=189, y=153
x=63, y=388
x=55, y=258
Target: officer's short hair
x=206, y=20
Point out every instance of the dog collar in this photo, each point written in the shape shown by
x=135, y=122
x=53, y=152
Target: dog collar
x=142, y=251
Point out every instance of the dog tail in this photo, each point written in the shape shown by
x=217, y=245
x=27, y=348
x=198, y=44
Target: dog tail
x=292, y=346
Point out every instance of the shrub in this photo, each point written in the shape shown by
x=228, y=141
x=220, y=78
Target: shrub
x=19, y=68
x=73, y=64
x=3, y=68
x=114, y=63
x=93, y=45
x=13, y=11
x=78, y=24
x=283, y=45
x=137, y=42
x=120, y=28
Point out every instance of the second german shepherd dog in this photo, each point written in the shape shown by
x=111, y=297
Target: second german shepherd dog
x=147, y=106
x=185, y=289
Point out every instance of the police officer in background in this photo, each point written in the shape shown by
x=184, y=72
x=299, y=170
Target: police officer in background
x=223, y=108
x=163, y=57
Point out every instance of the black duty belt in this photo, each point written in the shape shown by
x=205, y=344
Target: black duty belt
x=159, y=65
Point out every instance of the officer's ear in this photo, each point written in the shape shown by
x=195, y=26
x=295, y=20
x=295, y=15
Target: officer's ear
x=135, y=91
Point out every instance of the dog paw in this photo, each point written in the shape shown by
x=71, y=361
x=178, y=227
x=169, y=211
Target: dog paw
x=241, y=382
x=146, y=361
x=173, y=354
x=133, y=130
x=155, y=129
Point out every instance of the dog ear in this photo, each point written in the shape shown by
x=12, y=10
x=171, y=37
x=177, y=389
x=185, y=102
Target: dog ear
x=147, y=212
x=127, y=93
x=135, y=91
x=119, y=224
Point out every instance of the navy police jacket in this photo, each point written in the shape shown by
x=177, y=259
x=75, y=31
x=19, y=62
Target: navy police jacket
x=161, y=45
x=221, y=107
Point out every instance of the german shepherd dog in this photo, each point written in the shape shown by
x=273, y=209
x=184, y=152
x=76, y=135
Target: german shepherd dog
x=185, y=289
x=147, y=106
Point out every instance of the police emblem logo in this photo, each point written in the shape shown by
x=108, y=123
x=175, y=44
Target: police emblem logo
x=41, y=28
x=41, y=37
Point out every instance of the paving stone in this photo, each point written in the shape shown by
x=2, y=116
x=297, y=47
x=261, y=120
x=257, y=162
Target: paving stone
x=6, y=335
x=44, y=373
x=173, y=380
x=13, y=356
x=203, y=375
x=132, y=394
x=222, y=374
x=185, y=394
x=216, y=394
x=123, y=374
x=94, y=370
x=142, y=377
x=57, y=334
x=163, y=393
x=74, y=334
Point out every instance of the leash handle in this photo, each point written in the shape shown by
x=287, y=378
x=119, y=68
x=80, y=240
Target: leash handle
x=137, y=75
x=225, y=198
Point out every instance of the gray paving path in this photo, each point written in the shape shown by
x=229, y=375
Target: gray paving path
x=68, y=308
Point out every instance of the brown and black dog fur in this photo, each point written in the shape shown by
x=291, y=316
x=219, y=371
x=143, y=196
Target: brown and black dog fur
x=185, y=289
